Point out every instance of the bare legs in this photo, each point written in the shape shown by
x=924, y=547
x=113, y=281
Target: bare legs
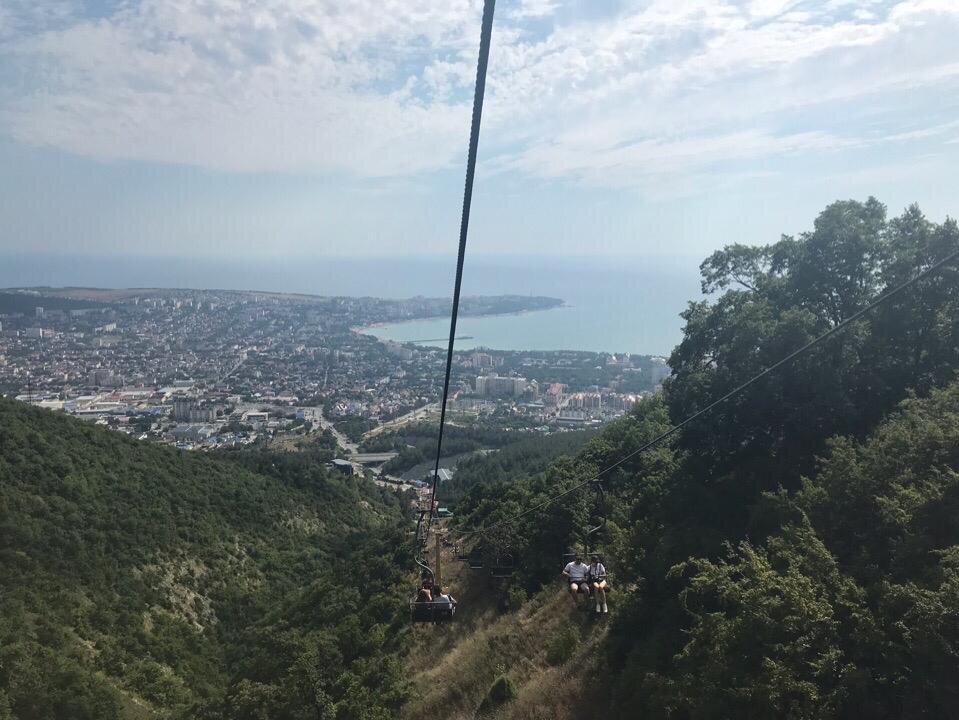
x=599, y=588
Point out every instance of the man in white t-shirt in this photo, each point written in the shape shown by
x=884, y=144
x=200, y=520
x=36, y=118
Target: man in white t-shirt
x=576, y=574
x=445, y=602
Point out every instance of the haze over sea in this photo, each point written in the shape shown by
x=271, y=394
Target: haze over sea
x=623, y=304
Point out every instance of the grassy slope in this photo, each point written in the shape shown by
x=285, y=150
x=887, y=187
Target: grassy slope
x=453, y=666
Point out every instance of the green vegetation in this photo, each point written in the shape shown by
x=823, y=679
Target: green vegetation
x=141, y=581
x=503, y=304
x=355, y=427
x=416, y=443
x=489, y=642
x=295, y=459
x=502, y=691
x=562, y=646
x=520, y=458
x=26, y=304
x=794, y=554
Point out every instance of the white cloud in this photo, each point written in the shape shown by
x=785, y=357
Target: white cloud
x=647, y=162
x=534, y=9
x=770, y=8
x=289, y=85
x=382, y=87
x=739, y=84
x=26, y=16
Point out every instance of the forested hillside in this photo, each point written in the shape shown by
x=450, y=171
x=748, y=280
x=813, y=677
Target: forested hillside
x=140, y=582
x=27, y=303
x=522, y=457
x=794, y=553
x=416, y=443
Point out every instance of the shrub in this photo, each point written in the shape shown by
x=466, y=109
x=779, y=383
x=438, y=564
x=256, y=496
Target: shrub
x=562, y=646
x=515, y=597
x=502, y=691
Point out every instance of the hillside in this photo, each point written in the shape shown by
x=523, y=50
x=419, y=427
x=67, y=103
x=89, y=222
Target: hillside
x=792, y=554
x=853, y=600
x=24, y=303
x=548, y=653
x=143, y=582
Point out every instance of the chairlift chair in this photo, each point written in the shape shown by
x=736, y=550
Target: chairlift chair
x=430, y=612
x=503, y=566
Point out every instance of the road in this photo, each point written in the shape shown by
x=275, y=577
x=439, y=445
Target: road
x=393, y=483
x=410, y=417
x=373, y=458
x=343, y=442
x=237, y=366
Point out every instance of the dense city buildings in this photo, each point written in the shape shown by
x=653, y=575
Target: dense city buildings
x=205, y=369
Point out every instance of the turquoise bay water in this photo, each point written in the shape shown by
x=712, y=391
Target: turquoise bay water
x=566, y=328
x=624, y=304
x=612, y=306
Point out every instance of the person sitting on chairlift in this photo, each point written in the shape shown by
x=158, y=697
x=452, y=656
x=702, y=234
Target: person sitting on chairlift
x=426, y=591
x=597, y=581
x=445, y=601
x=576, y=574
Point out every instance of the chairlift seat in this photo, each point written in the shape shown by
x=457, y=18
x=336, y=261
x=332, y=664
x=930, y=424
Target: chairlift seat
x=431, y=612
x=503, y=567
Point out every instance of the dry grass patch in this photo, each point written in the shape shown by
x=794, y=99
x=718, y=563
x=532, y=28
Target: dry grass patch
x=454, y=666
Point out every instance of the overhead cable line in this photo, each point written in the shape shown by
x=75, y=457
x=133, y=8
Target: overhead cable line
x=481, y=65
x=735, y=391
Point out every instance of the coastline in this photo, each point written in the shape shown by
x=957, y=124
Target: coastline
x=359, y=329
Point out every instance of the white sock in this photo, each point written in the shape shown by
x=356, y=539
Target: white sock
x=605, y=609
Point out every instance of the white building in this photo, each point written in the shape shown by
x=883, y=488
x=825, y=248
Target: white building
x=482, y=360
x=496, y=386
x=658, y=370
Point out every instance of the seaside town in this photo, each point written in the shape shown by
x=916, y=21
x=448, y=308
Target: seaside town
x=213, y=369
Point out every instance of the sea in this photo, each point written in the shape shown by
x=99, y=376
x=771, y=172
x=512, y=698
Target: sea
x=611, y=304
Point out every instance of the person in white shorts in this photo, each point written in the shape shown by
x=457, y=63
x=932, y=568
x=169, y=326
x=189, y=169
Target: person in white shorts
x=597, y=580
x=576, y=574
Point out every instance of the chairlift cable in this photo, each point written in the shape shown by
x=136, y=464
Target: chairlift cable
x=732, y=393
x=480, y=89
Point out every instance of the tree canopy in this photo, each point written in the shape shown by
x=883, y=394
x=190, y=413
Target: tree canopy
x=187, y=585
x=792, y=553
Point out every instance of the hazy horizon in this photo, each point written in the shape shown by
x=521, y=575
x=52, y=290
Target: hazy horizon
x=384, y=276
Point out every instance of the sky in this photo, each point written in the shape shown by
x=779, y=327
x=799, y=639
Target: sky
x=245, y=129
